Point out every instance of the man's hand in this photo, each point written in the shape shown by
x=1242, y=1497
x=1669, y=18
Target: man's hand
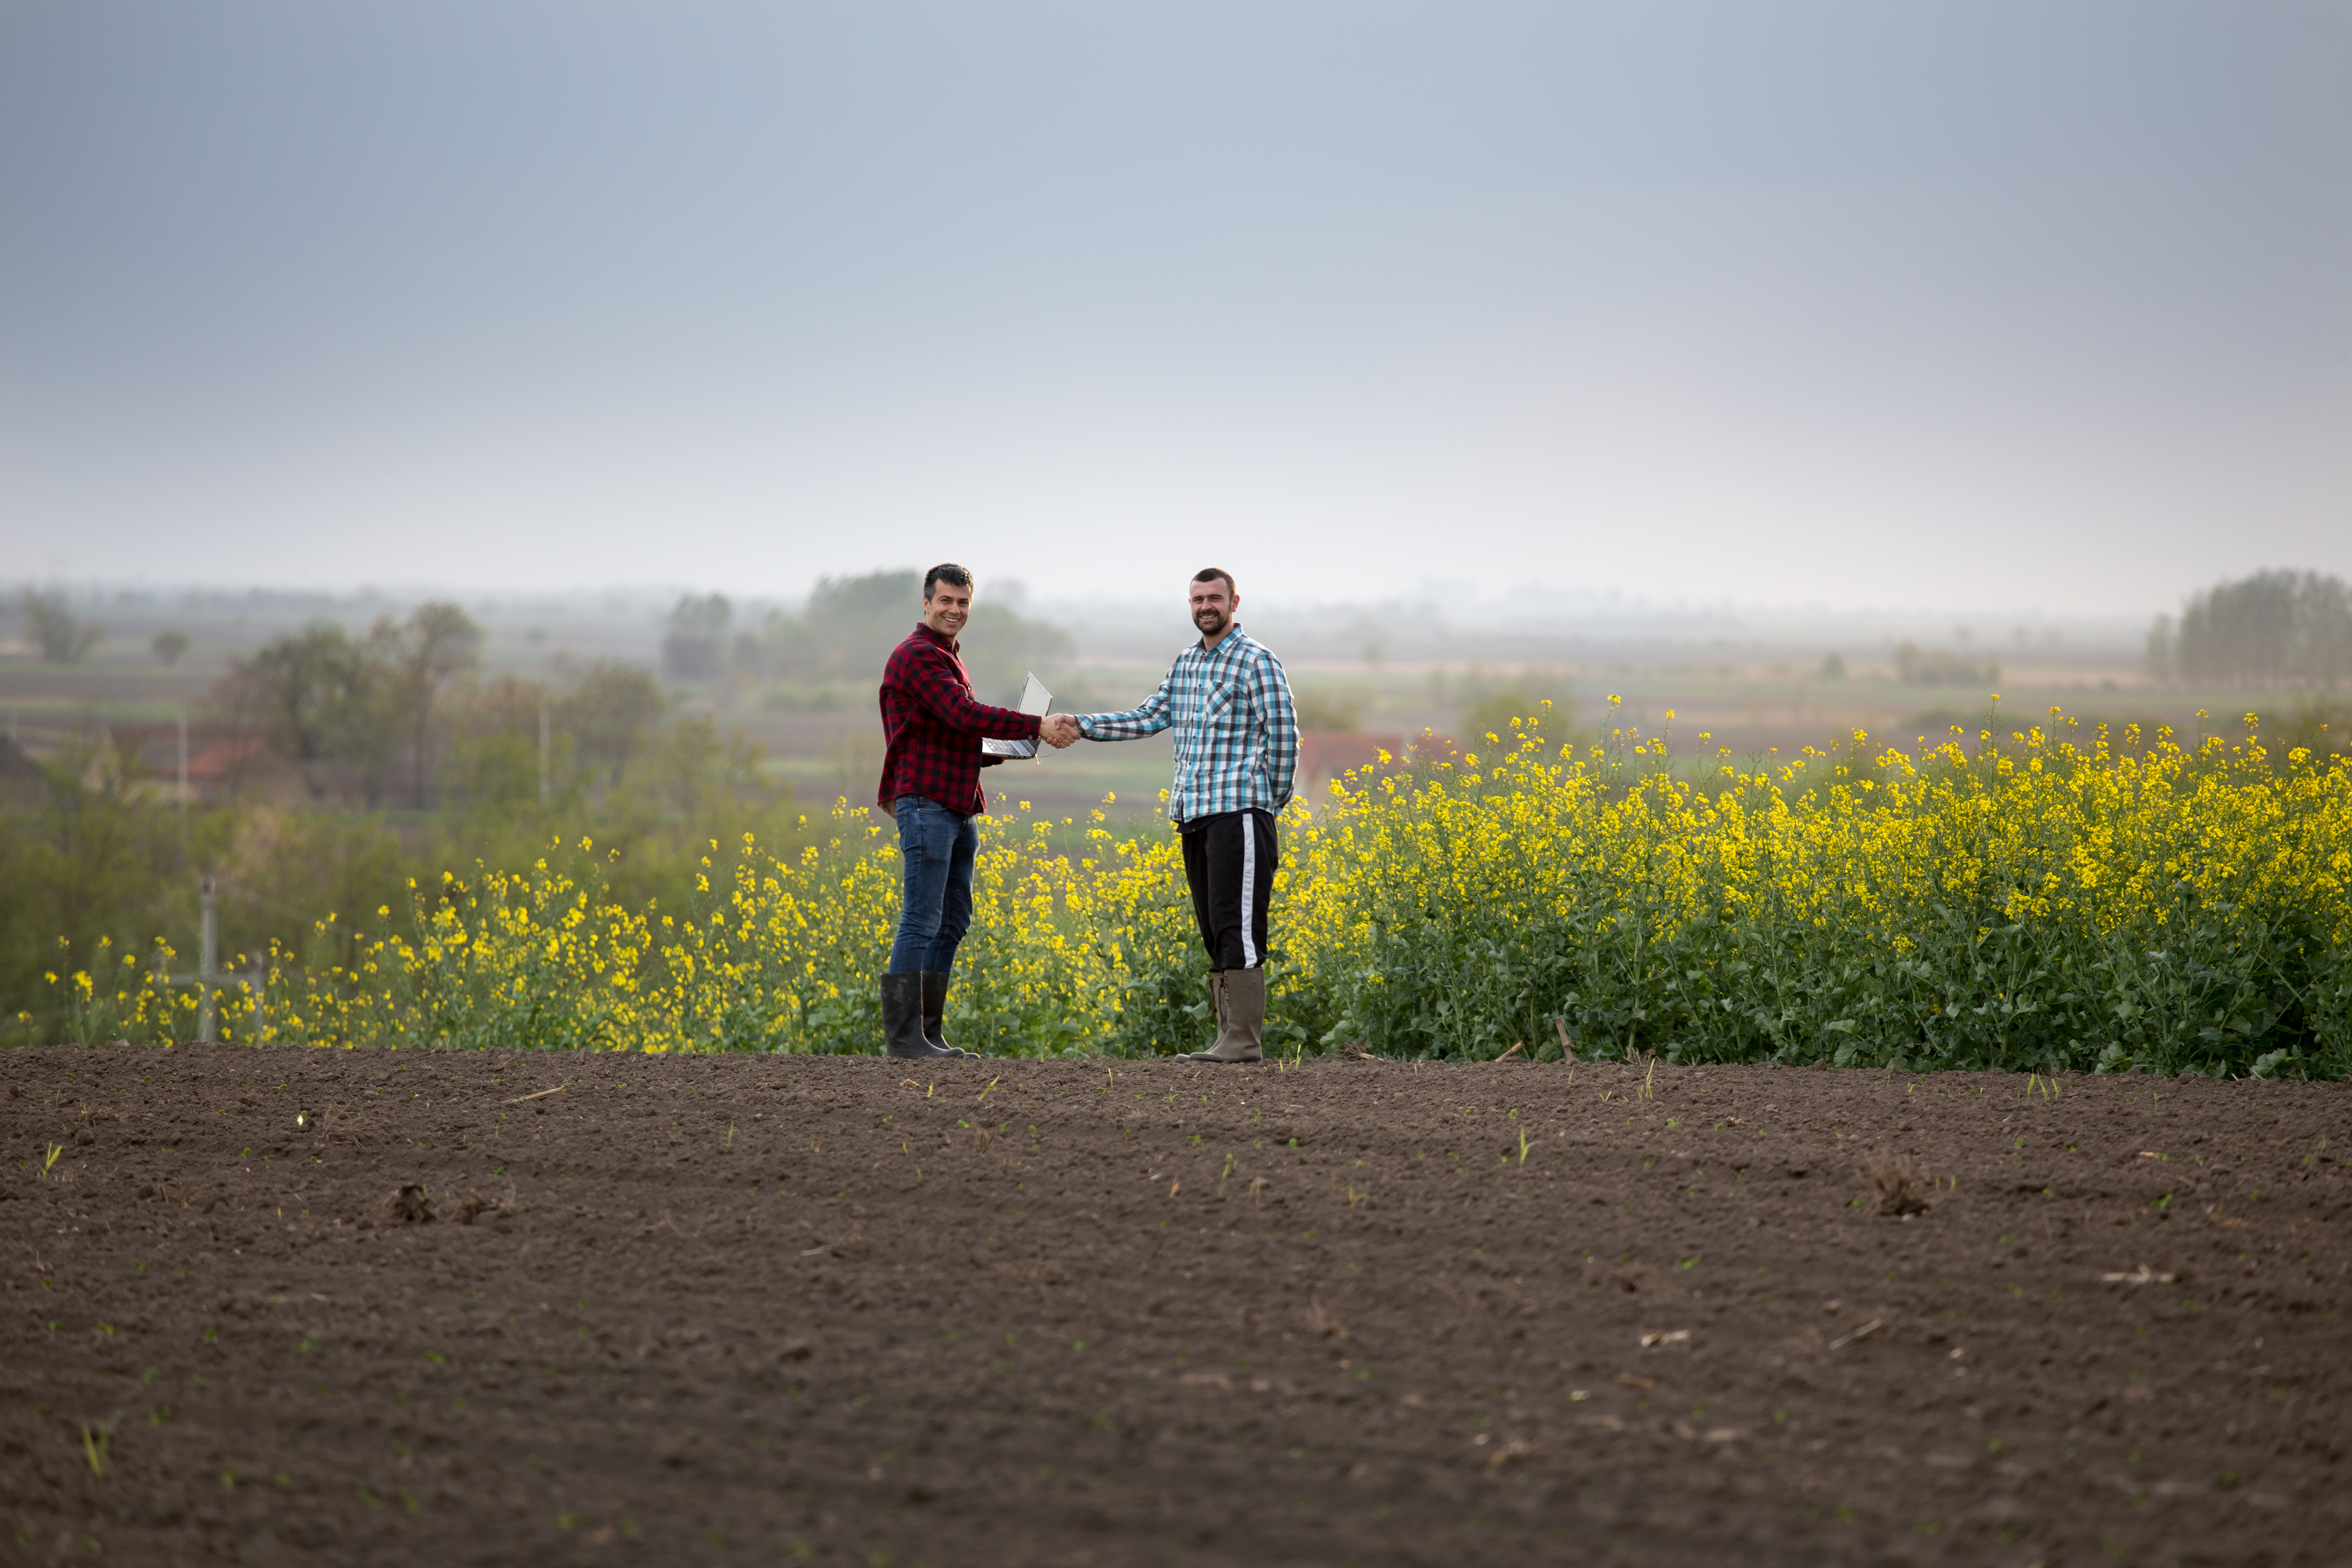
x=1058, y=730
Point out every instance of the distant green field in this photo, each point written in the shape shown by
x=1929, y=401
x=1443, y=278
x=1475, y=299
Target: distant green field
x=1062, y=784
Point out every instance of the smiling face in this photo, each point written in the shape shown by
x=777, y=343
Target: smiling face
x=1213, y=603
x=946, y=608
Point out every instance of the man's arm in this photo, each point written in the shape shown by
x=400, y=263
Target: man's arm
x=929, y=678
x=1149, y=717
x=1278, y=724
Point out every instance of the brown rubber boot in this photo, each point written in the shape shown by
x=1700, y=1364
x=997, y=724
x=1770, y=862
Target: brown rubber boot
x=1216, y=1012
x=1241, y=1020
x=935, y=1012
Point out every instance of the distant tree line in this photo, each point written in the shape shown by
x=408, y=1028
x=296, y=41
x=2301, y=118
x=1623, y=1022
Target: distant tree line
x=2273, y=629
x=400, y=717
x=355, y=710
x=1917, y=666
x=65, y=637
x=62, y=637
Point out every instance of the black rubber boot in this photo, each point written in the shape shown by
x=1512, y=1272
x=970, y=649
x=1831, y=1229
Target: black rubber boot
x=935, y=1012
x=902, y=1020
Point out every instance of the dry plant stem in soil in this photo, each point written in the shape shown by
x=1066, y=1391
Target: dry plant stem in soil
x=284, y=1307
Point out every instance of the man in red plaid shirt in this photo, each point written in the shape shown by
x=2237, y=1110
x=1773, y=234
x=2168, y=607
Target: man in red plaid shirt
x=930, y=781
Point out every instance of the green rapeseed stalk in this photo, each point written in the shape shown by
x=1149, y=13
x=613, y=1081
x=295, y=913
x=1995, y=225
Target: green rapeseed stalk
x=2026, y=893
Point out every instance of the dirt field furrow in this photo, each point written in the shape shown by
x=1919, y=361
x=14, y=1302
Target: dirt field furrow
x=280, y=1307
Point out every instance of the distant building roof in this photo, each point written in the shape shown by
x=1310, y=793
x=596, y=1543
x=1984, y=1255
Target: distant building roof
x=217, y=761
x=16, y=764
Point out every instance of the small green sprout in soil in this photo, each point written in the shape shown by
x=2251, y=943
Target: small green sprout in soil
x=95, y=1437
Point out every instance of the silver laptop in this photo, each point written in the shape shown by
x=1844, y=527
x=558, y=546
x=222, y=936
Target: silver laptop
x=1034, y=699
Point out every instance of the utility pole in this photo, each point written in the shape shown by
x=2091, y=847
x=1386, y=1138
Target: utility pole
x=184, y=760
x=208, y=965
x=543, y=753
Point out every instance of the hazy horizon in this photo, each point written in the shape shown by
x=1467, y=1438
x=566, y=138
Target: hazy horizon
x=1443, y=602
x=1954, y=308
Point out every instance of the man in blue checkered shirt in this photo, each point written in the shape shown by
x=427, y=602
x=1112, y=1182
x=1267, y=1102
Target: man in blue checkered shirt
x=1237, y=750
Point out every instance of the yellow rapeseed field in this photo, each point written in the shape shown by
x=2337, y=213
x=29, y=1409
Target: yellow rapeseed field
x=2038, y=897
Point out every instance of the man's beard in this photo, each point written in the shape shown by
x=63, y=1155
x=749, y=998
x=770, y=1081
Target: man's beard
x=1212, y=622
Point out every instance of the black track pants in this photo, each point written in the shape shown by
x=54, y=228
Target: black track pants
x=1229, y=860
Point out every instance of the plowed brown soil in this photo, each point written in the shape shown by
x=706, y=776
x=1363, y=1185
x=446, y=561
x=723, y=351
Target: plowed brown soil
x=777, y=1309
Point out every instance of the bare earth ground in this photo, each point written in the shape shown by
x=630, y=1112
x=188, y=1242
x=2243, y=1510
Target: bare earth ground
x=775, y=1309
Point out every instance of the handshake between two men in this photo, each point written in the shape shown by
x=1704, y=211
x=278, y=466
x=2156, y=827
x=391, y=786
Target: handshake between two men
x=1236, y=752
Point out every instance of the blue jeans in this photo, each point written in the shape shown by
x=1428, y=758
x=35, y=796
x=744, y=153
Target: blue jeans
x=936, y=847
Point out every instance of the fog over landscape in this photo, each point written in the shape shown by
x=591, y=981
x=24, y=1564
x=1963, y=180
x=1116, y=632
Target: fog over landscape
x=1792, y=371
x=1971, y=310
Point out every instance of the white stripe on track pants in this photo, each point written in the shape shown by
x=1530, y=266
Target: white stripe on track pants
x=1229, y=860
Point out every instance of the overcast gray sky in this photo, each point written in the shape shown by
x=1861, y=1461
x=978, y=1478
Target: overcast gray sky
x=1982, y=305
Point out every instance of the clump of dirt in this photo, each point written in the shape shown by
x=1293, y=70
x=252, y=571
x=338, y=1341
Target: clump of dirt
x=1632, y=1279
x=462, y=1208
x=1325, y=1321
x=751, y=1309
x=411, y=1205
x=1898, y=1183
x=406, y=1205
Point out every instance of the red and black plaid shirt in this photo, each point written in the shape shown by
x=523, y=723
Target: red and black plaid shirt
x=935, y=725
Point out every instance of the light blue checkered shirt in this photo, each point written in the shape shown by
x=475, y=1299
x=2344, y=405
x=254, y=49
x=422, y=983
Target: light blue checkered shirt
x=1236, y=731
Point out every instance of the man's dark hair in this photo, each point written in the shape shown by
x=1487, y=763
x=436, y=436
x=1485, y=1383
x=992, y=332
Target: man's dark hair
x=946, y=571
x=1211, y=573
